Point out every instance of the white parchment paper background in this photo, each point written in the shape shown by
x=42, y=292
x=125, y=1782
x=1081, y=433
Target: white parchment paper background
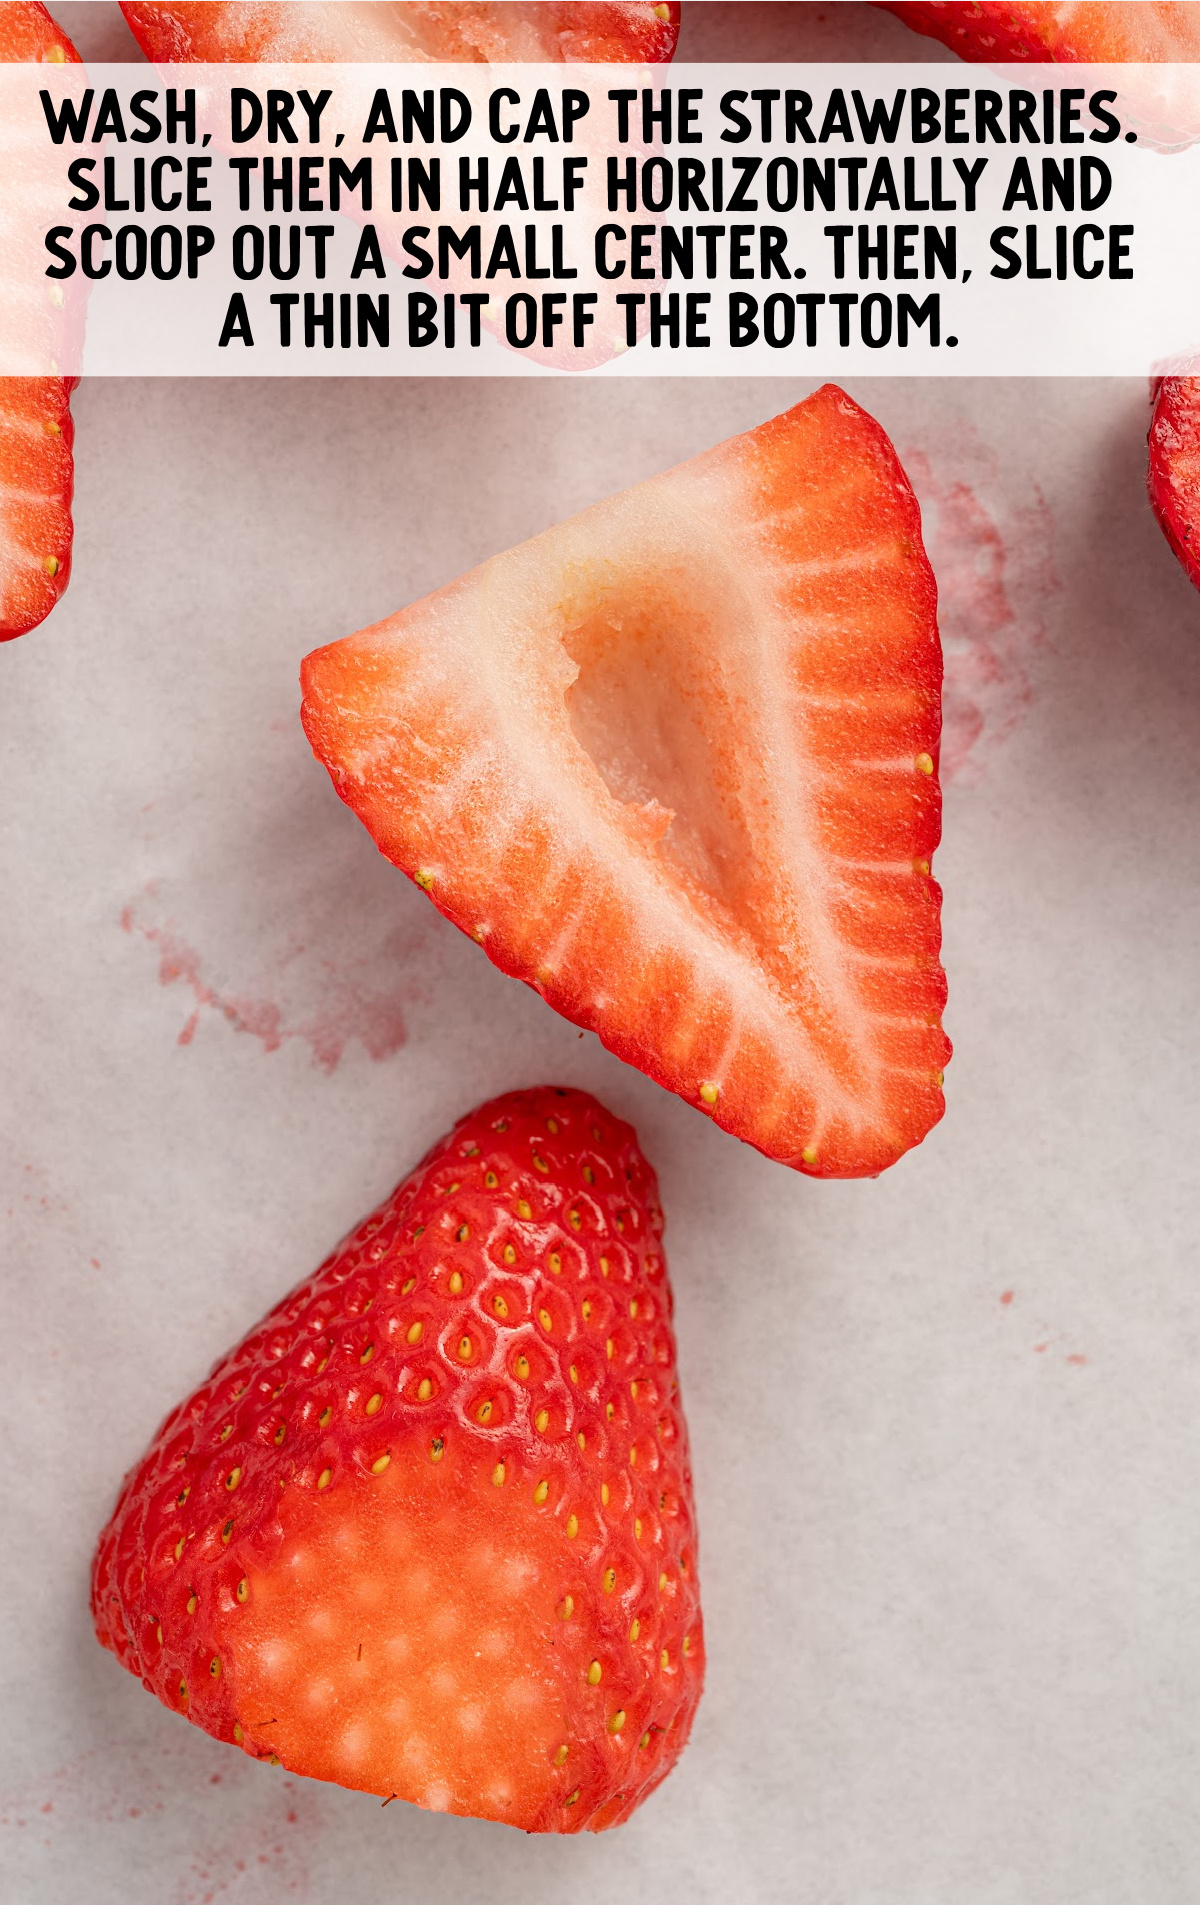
x=943, y=1424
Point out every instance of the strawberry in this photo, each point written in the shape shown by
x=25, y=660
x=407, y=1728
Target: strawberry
x=1057, y=29
x=616, y=30
x=1174, y=475
x=428, y=1530
x=1159, y=100
x=36, y=480
x=673, y=763
x=36, y=468
x=466, y=30
x=28, y=33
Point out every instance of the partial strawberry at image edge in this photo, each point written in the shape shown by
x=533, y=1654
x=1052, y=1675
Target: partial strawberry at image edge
x=1174, y=467
x=234, y=30
x=565, y=750
x=1047, y=30
x=36, y=432
x=37, y=478
x=475, y=31
x=428, y=1530
x=28, y=32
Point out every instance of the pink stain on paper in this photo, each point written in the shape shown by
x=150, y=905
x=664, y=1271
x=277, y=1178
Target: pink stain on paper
x=325, y=1003
x=1053, y=1342
x=992, y=557
x=253, y=1839
x=38, y=1194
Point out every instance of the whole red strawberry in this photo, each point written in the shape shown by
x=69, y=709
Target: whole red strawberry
x=428, y=1530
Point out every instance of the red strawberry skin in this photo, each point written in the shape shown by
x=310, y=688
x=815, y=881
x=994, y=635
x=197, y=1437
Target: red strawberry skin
x=480, y=31
x=27, y=32
x=1057, y=29
x=673, y=763
x=428, y=1530
x=36, y=482
x=1174, y=473
x=572, y=30
x=36, y=433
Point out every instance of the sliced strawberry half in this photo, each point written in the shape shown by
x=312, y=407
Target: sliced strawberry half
x=36, y=435
x=1174, y=474
x=417, y=30
x=36, y=481
x=1160, y=104
x=552, y=30
x=1097, y=30
x=673, y=763
x=428, y=1530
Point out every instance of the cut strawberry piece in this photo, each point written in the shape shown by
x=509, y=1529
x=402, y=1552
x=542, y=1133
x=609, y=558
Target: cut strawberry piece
x=1097, y=30
x=27, y=32
x=418, y=30
x=428, y=1530
x=36, y=481
x=1174, y=474
x=614, y=30
x=673, y=763
x=36, y=468
x=1160, y=105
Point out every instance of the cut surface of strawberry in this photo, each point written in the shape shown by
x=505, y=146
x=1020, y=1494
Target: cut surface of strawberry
x=551, y=30
x=674, y=763
x=1174, y=473
x=428, y=1530
x=1096, y=30
x=36, y=482
x=474, y=31
x=36, y=435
